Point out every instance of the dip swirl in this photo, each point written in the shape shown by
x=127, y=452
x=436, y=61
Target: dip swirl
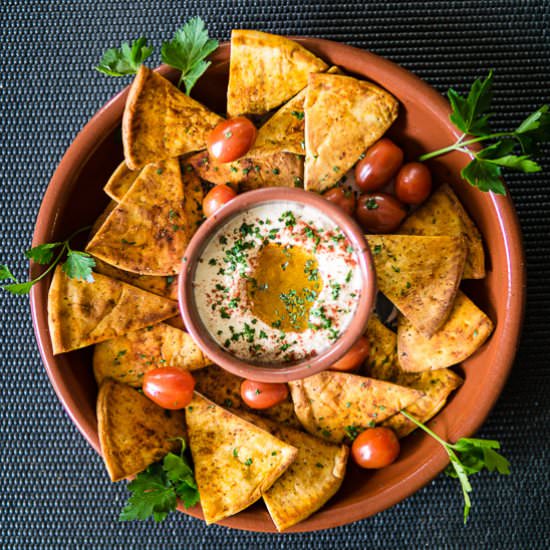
x=277, y=283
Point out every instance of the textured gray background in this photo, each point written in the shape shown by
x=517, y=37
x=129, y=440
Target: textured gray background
x=54, y=489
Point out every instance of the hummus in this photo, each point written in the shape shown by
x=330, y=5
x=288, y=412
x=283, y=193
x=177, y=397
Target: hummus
x=277, y=283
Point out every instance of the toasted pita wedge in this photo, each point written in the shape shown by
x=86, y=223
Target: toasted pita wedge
x=161, y=122
x=419, y=275
x=330, y=404
x=442, y=214
x=127, y=358
x=310, y=481
x=120, y=181
x=464, y=331
x=269, y=170
x=265, y=71
x=82, y=313
x=382, y=365
x=102, y=217
x=235, y=461
x=147, y=233
x=343, y=117
x=224, y=388
x=133, y=431
x=162, y=286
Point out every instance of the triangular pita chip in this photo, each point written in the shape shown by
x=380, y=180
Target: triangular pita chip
x=343, y=117
x=120, y=181
x=161, y=122
x=235, y=461
x=224, y=388
x=82, y=313
x=269, y=170
x=147, y=233
x=127, y=358
x=265, y=71
x=310, y=481
x=330, y=404
x=442, y=214
x=102, y=217
x=419, y=275
x=133, y=431
x=382, y=364
x=464, y=331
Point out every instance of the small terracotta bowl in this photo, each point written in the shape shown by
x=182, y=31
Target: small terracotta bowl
x=282, y=372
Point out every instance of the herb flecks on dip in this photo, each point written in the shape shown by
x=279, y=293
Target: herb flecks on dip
x=280, y=282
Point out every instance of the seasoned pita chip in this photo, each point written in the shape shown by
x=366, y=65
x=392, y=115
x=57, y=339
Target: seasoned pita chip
x=224, y=388
x=162, y=286
x=235, y=461
x=127, y=358
x=464, y=331
x=333, y=404
x=120, y=181
x=194, y=194
x=102, y=217
x=442, y=214
x=147, y=233
x=269, y=170
x=310, y=481
x=382, y=364
x=343, y=117
x=419, y=275
x=161, y=122
x=133, y=431
x=82, y=313
x=265, y=71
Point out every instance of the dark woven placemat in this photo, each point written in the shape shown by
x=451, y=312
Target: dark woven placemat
x=55, y=492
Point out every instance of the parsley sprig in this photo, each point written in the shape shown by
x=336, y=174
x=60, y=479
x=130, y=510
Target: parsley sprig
x=77, y=264
x=125, y=60
x=468, y=456
x=471, y=116
x=155, y=491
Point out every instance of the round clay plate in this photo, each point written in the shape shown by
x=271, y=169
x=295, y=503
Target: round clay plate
x=75, y=198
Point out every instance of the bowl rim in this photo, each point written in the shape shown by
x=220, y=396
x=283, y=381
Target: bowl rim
x=297, y=369
x=106, y=120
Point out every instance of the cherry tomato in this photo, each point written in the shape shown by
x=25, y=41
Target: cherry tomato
x=379, y=165
x=262, y=395
x=231, y=139
x=355, y=357
x=375, y=448
x=344, y=198
x=169, y=387
x=413, y=183
x=379, y=212
x=216, y=198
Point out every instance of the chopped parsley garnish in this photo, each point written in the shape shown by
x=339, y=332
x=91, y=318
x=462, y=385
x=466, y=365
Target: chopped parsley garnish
x=298, y=114
x=288, y=219
x=336, y=287
x=371, y=204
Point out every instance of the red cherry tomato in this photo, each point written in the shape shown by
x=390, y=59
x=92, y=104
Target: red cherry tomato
x=413, y=183
x=355, y=357
x=379, y=165
x=231, y=139
x=375, y=448
x=169, y=387
x=216, y=198
x=262, y=395
x=379, y=212
x=344, y=198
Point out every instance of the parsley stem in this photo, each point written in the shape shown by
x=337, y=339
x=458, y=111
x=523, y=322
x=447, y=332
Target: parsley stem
x=459, y=145
x=426, y=429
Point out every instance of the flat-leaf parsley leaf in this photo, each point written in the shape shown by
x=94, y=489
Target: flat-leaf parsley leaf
x=125, y=60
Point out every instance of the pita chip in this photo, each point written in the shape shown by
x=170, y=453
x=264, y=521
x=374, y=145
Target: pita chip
x=82, y=313
x=120, y=181
x=343, y=117
x=147, y=232
x=462, y=334
x=161, y=122
x=442, y=214
x=133, y=431
x=127, y=358
x=333, y=404
x=235, y=461
x=382, y=365
x=265, y=71
x=419, y=275
x=102, y=217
